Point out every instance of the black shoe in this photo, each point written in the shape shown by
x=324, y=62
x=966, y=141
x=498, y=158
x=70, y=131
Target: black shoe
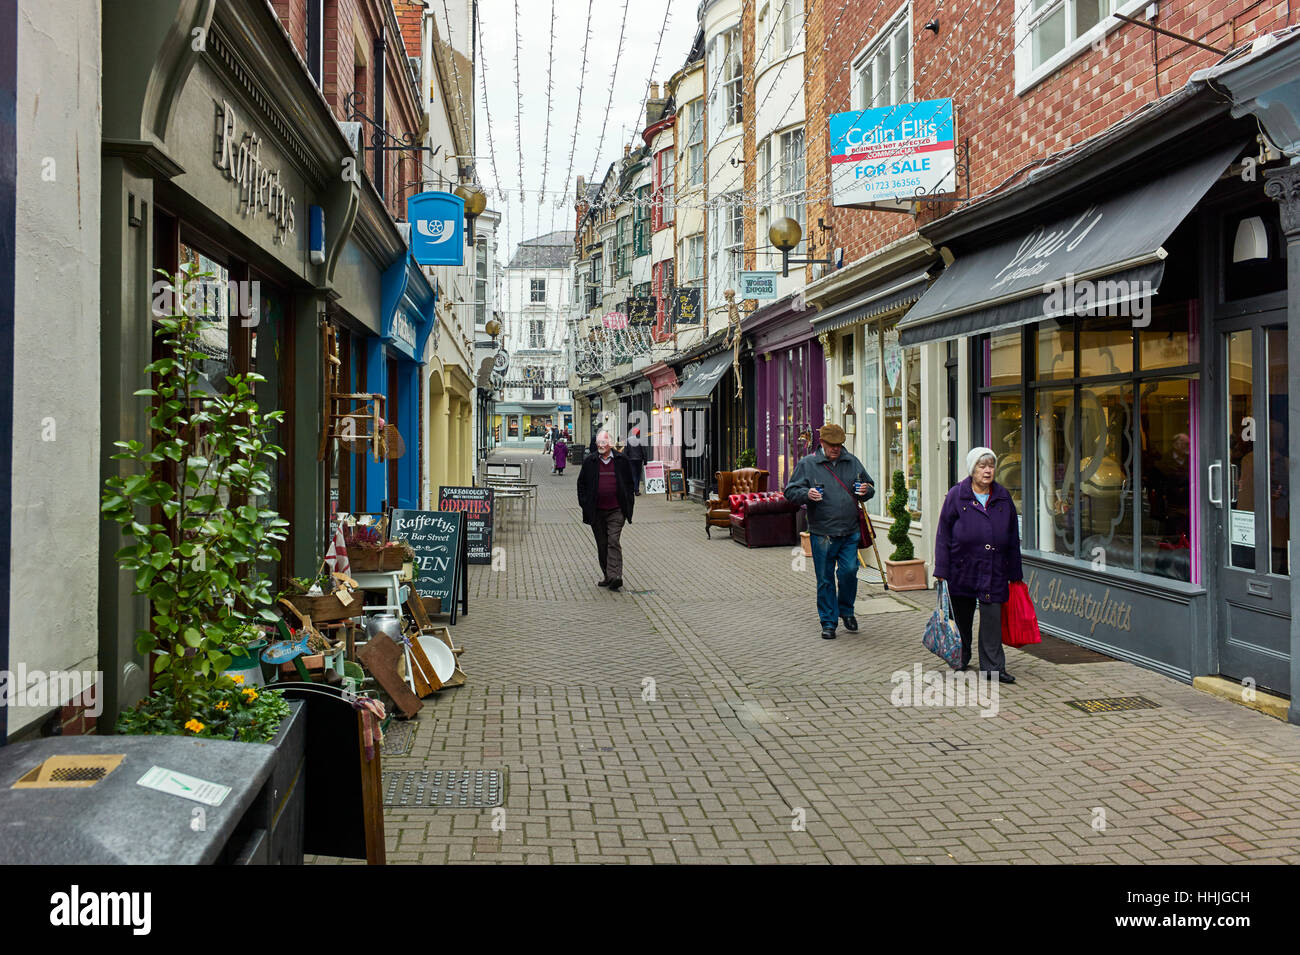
x=616, y=583
x=1005, y=677
x=602, y=583
x=638, y=493
x=850, y=624
x=828, y=633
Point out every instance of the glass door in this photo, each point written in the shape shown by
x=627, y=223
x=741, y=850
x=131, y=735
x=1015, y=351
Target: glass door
x=1250, y=491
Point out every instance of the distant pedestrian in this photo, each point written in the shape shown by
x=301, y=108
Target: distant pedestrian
x=636, y=457
x=561, y=455
x=549, y=441
x=977, y=551
x=606, y=496
x=833, y=483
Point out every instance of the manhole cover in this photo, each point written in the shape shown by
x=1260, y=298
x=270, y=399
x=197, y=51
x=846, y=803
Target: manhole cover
x=1113, y=704
x=444, y=789
x=398, y=737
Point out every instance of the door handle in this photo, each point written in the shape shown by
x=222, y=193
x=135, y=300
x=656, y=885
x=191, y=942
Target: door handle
x=1215, y=479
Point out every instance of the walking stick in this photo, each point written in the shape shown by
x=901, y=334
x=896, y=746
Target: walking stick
x=879, y=566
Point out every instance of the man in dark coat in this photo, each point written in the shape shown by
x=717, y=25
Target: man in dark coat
x=636, y=457
x=833, y=483
x=606, y=495
x=977, y=551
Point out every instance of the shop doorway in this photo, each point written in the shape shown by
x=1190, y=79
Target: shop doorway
x=1249, y=495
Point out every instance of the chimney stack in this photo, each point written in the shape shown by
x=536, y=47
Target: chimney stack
x=655, y=106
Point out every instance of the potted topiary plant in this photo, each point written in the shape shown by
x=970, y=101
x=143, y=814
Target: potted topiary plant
x=200, y=561
x=904, y=571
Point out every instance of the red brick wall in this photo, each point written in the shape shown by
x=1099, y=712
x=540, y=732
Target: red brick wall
x=293, y=15
x=972, y=60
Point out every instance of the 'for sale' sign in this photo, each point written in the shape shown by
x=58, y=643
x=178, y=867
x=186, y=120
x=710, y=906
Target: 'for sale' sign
x=893, y=153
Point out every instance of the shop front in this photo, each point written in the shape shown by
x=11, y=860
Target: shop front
x=202, y=169
x=875, y=387
x=790, y=386
x=665, y=420
x=1129, y=348
x=395, y=363
x=715, y=423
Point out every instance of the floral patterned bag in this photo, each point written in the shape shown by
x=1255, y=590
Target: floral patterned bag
x=941, y=636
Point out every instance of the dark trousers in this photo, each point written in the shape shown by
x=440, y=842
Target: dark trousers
x=638, y=468
x=992, y=657
x=607, y=528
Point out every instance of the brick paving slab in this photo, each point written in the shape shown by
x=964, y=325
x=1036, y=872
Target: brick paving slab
x=698, y=717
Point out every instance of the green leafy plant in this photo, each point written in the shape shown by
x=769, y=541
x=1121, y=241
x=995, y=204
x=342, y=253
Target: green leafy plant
x=902, y=520
x=223, y=709
x=189, y=506
x=747, y=458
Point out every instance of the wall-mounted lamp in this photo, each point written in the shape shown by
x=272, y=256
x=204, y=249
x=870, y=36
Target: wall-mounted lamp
x=785, y=234
x=654, y=410
x=1252, y=240
x=668, y=409
x=933, y=26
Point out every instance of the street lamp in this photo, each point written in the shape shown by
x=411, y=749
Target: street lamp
x=475, y=202
x=785, y=235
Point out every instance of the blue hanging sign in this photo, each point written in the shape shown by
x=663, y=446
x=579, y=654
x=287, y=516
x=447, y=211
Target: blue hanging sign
x=437, y=228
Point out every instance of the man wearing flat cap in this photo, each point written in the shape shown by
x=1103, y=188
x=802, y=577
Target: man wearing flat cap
x=833, y=483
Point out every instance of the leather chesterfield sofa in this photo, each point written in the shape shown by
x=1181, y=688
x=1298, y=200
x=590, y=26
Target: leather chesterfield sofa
x=717, y=510
x=763, y=520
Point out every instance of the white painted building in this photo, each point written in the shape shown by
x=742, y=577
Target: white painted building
x=535, y=303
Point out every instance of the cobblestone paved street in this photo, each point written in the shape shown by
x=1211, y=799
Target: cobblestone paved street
x=759, y=742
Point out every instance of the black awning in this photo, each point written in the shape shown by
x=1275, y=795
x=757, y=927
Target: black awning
x=1096, y=258
x=700, y=385
x=875, y=301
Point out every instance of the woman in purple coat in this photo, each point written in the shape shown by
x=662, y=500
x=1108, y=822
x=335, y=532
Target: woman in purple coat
x=561, y=454
x=977, y=551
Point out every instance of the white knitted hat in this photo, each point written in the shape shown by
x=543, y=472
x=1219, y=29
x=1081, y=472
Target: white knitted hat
x=974, y=454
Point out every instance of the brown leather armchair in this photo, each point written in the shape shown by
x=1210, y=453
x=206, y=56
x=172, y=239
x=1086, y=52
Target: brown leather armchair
x=717, y=511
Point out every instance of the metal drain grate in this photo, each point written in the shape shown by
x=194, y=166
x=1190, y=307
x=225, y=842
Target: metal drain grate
x=398, y=737
x=1113, y=704
x=444, y=789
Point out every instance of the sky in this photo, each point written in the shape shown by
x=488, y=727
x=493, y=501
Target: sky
x=517, y=108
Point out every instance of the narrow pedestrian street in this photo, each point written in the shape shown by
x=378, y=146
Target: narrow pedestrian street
x=698, y=717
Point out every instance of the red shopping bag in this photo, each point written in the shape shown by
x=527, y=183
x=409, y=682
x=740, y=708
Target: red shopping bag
x=1019, y=621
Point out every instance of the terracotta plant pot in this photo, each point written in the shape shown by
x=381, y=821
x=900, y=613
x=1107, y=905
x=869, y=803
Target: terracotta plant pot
x=906, y=574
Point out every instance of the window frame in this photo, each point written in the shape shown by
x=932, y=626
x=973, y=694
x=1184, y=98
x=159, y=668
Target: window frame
x=1030, y=386
x=623, y=247
x=1027, y=75
x=533, y=291
x=884, y=39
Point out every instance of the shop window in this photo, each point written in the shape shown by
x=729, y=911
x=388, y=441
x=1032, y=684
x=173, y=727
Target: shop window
x=1054, y=350
x=1165, y=424
x=869, y=417
x=1054, y=440
x=912, y=419
x=846, y=355
x=1002, y=359
x=1170, y=341
x=1111, y=461
x=1105, y=347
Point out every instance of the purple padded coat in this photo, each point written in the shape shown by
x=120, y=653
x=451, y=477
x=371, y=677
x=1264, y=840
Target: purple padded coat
x=561, y=453
x=977, y=550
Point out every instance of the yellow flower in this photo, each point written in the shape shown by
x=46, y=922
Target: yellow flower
x=237, y=677
x=250, y=694
x=223, y=705
x=194, y=726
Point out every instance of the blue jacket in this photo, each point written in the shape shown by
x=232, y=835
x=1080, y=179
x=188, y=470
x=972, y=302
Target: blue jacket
x=977, y=550
x=836, y=515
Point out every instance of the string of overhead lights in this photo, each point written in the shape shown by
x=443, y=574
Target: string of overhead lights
x=618, y=56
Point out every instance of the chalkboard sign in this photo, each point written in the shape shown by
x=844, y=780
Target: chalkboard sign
x=476, y=504
x=438, y=539
x=676, y=483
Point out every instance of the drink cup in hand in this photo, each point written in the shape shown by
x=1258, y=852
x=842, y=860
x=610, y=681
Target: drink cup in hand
x=860, y=488
x=816, y=490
